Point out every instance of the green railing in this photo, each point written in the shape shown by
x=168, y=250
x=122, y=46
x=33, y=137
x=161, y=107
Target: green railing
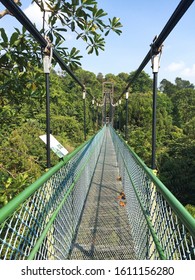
x=162, y=228
x=40, y=222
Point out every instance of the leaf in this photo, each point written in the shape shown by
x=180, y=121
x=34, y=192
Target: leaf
x=23, y=30
x=88, y=2
x=96, y=51
x=8, y=183
x=17, y=42
x=90, y=8
x=115, y=24
x=3, y=60
x=75, y=2
x=101, y=13
x=90, y=49
x=107, y=32
x=73, y=26
x=52, y=20
x=34, y=87
x=4, y=36
x=61, y=29
x=17, y=30
x=13, y=38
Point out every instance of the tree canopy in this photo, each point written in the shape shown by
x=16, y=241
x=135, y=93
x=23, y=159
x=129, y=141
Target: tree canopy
x=83, y=18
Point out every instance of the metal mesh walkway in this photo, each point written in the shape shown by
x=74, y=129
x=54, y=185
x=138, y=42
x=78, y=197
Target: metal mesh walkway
x=104, y=231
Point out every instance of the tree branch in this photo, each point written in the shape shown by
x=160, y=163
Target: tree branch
x=6, y=11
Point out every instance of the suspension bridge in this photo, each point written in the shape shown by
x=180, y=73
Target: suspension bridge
x=100, y=201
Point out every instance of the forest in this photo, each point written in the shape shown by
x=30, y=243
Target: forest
x=23, y=103
x=22, y=115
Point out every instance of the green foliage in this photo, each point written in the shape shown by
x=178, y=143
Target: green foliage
x=140, y=123
x=183, y=100
x=84, y=19
x=167, y=87
x=189, y=128
x=19, y=51
x=191, y=209
x=142, y=84
x=22, y=153
x=185, y=106
x=183, y=84
x=176, y=162
x=140, y=141
x=20, y=160
x=177, y=169
x=20, y=77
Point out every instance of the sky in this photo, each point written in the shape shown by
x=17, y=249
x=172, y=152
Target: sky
x=142, y=20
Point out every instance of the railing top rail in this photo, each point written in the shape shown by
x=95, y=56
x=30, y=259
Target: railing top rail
x=23, y=19
x=174, y=19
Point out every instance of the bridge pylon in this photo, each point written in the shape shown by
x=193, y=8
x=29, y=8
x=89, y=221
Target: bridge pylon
x=107, y=108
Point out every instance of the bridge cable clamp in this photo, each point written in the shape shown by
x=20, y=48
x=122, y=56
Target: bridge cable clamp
x=155, y=55
x=47, y=56
x=84, y=92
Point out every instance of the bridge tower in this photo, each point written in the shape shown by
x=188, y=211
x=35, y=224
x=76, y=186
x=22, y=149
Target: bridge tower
x=107, y=108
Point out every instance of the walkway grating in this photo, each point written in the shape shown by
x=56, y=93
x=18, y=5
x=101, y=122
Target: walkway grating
x=104, y=231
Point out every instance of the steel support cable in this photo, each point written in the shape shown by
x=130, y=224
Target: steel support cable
x=23, y=19
x=155, y=46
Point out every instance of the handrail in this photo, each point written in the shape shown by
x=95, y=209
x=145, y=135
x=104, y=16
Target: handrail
x=13, y=205
x=174, y=19
x=23, y=19
x=179, y=209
